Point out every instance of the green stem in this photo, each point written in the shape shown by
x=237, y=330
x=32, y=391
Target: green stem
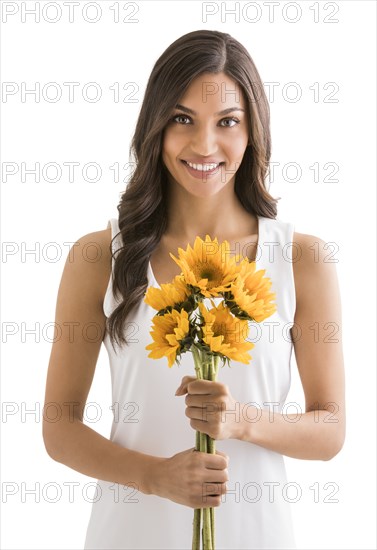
x=206, y=368
x=197, y=361
x=212, y=446
x=196, y=529
x=203, y=443
x=198, y=512
x=197, y=440
x=212, y=520
x=210, y=372
x=207, y=533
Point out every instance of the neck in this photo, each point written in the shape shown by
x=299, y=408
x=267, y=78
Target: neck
x=221, y=215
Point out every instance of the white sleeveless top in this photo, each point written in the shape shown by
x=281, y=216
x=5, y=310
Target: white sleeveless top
x=255, y=512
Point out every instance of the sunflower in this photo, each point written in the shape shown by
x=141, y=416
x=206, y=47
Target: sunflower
x=224, y=333
x=169, y=295
x=169, y=333
x=208, y=266
x=251, y=293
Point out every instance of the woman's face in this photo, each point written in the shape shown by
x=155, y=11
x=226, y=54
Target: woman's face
x=206, y=137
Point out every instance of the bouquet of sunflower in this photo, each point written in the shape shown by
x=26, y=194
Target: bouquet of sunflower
x=183, y=323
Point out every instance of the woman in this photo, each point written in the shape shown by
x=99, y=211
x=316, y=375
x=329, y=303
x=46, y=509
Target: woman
x=202, y=149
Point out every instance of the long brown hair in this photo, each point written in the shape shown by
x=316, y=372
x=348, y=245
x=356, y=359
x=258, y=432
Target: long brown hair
x=143, y=205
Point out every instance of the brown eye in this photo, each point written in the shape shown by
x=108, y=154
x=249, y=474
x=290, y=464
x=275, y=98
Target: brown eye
x=181, y=119
x=231, y=120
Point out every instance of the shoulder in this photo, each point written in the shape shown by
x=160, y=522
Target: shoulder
x=88, y=264
x=314, y=264
x=93, y=248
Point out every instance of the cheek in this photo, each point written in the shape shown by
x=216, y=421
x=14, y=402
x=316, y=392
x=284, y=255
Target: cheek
x=171, y=143
x=166, y=150
x=237, y=146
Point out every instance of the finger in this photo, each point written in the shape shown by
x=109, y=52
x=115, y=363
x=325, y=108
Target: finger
x=205, y=387
x=198, y=401
x=186, y=379
x=212, y=488
x=217, y=476
x=217, y=461
x=182, y=389
x=208, y=501
x=223, y=455
x=196, y=413
x=202, y=403
x=199, y=425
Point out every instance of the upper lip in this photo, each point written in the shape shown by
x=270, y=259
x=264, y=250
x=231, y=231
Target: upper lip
x=203, y=161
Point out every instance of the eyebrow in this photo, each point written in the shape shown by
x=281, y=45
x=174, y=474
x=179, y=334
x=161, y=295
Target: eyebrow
x=224, y=112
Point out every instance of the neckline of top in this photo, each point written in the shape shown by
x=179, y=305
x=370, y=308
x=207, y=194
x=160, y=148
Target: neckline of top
x=260, y=219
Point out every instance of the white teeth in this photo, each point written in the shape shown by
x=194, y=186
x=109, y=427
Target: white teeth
x=202, y=167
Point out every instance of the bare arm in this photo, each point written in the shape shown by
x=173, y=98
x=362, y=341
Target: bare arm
x=320, y=432
x=73, y=359
x=71, y=370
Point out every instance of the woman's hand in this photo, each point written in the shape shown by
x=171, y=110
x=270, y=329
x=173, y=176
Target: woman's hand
x=192, y=478
x=211, y=408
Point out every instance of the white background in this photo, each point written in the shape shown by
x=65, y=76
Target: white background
x=34, y=214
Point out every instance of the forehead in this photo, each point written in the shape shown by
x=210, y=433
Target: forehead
x=213, y=90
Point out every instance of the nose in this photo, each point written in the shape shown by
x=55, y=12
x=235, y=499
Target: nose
x=204, y=142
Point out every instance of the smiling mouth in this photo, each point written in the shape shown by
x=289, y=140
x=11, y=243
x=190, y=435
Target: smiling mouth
x=205, y=167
